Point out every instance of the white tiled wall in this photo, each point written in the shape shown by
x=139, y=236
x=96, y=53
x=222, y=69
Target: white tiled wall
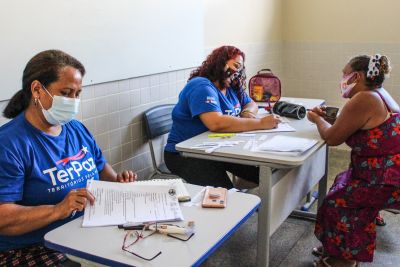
x=314, y=69
x=113, y=111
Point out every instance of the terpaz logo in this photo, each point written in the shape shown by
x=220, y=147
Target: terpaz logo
x=65, y=174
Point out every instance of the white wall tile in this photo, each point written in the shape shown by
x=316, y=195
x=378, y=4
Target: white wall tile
x=101, y=106
x=88, y=109
x=103, y=141
x=124, y=100
x=113, y=103
x=124, y=85
x=101, y=89
x=113, y=121
x=145, y=96
x=115, y=138
x=134, y=98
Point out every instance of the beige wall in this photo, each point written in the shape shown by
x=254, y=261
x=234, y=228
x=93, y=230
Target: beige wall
x=341, y=21
x=320, y=36
x=238, y=21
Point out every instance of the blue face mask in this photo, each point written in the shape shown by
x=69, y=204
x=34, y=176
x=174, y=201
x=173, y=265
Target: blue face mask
x=62, y=111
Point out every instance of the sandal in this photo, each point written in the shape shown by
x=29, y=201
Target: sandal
x=323, y=262
x=318, y=251
x=379, y=220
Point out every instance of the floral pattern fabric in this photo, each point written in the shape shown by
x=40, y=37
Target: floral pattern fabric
x=345, y=221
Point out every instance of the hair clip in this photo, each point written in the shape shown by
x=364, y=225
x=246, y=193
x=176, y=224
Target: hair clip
x=373, y=66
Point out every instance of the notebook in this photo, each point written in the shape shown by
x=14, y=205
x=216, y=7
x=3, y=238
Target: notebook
x=181, y=191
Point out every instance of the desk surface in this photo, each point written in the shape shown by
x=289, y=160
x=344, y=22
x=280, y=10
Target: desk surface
x=304, y=128
x=103, y=244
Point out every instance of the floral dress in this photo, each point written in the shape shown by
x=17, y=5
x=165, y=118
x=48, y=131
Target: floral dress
x=345, y=222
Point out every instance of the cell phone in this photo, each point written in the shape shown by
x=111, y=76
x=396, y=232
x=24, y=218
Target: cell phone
x=214, y=197
x=331, y=112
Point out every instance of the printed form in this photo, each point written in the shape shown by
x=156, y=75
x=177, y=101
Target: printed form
x=122, y=203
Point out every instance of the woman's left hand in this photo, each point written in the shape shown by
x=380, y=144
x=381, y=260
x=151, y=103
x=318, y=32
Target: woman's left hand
x=312, y=116
x=126, y=176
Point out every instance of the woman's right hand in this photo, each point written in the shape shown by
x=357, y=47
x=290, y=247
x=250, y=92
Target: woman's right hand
x=270, y=121
x=320, y=110
x=74, y=201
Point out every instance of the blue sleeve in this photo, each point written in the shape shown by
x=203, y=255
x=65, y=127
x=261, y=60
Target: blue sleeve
x=246, y=99
x=12, y=176
x=203, y=98
x=100, y=161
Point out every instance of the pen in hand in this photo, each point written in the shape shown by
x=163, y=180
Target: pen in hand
x=88, y=185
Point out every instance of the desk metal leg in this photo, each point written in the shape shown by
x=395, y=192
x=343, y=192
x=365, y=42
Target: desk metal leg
x=264, y=216
x=323, y=183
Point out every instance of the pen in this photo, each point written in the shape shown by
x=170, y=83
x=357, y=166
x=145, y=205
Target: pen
x=73, y=213
x=131, y=227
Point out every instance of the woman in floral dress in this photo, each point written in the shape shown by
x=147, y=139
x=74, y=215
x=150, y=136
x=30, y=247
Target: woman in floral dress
x=370, y=124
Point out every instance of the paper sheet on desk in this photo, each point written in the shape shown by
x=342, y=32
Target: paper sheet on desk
x=282, y=127
x=286, y=145
x=120, y=203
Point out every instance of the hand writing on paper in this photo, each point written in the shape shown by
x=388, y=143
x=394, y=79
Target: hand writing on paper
x=74, y=201
x=271, y=121
x=126, y=176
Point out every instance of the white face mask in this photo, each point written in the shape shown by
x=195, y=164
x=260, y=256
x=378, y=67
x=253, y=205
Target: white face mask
x=62, y=111
x=346, y=88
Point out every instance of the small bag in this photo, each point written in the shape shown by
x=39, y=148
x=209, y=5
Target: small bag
x=290, y=110
x=265, y=87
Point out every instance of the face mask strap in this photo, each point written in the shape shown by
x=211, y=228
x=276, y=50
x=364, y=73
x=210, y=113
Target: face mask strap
x=47, y=91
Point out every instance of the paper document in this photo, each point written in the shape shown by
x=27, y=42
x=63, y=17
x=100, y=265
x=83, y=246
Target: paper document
x=181, y=191
x=286, y=145
x=282, y=127
x=121, y=203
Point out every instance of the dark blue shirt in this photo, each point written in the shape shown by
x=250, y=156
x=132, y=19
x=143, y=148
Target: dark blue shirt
x=200, y=95
x=40, y=169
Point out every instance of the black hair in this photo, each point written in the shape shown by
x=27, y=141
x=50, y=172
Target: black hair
x=361, y=63
x=44, y=67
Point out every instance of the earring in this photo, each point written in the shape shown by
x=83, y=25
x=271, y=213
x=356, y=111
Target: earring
x=36, y=100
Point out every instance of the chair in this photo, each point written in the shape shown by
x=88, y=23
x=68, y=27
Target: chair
x=158, y=121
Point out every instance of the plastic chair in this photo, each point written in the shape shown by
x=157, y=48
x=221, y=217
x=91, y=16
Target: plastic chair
x=158, y=121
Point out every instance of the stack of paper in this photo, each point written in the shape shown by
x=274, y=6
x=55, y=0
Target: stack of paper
x=287, y=145
x=121, y=203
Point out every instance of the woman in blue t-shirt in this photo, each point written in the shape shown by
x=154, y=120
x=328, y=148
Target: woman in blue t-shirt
x=46, y=158
x=214, y=99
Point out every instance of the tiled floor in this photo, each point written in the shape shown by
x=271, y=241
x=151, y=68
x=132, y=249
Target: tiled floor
x=293, y=241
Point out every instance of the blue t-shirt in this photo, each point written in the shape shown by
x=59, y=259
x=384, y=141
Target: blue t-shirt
x=40, y=169
x=200, y=95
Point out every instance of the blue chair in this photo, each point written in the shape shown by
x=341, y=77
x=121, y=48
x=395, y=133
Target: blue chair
x=158, y=121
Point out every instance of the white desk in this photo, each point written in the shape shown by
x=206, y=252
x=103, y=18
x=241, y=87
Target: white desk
x=102, y=245
x=284, y=180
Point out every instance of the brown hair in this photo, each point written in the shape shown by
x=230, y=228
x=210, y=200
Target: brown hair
x=360, y=63
x=44, y=67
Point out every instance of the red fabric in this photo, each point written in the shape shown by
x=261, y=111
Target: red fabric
x=345, y=222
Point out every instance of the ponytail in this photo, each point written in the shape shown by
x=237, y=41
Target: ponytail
x=17, y=104
x=43, y=67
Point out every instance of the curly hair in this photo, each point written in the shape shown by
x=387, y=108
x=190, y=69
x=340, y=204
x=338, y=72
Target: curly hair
x=213, y=68
x=360, y=63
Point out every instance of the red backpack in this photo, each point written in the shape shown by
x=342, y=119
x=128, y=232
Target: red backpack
x=265, y=87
